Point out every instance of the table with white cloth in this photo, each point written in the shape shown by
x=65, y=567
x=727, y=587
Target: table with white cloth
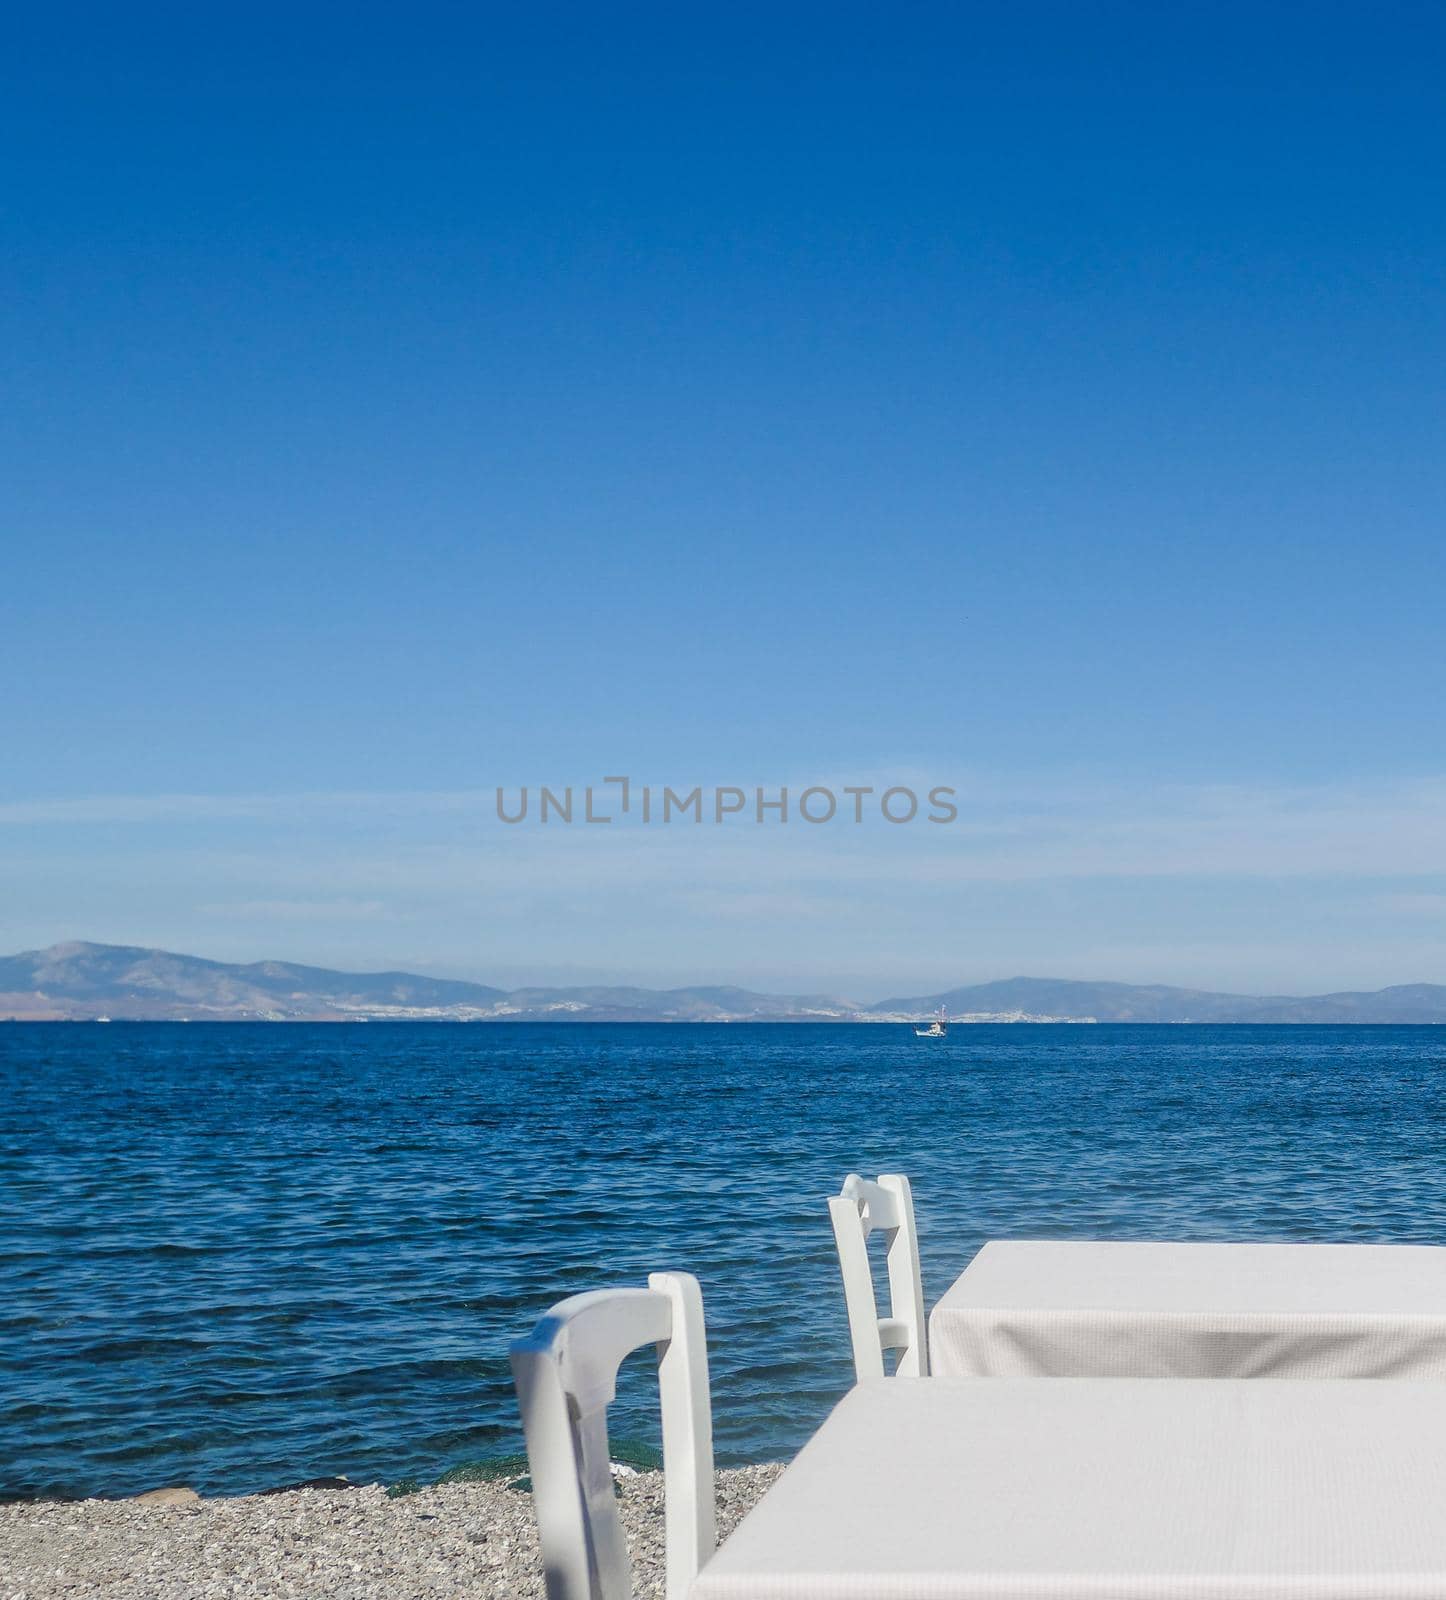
x=1104, y=1489
x=1114, y=1310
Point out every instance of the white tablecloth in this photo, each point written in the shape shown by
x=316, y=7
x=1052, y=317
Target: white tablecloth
x=1096, y=1489
x=1060, y=1310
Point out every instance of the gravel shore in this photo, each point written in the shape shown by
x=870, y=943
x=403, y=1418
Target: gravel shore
x=472, y=1540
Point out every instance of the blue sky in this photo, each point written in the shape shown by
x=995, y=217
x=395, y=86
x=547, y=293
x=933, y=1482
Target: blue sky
x=1044, y=400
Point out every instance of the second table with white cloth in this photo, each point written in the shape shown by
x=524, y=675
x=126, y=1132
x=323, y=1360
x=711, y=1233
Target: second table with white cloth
x=1104, y=1489
x=1123, y=1310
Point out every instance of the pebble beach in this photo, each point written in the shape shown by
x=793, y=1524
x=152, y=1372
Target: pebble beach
x=472, y=1540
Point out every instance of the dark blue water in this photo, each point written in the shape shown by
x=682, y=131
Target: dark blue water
x=237, y=1256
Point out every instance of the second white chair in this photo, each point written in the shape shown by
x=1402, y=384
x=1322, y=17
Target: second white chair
x=887, y=1207
x=566, y=1376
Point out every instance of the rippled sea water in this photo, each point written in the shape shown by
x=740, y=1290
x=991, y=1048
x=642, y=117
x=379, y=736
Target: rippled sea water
x=240, y=1256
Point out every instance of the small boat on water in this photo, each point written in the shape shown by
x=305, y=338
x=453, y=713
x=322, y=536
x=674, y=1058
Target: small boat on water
x=937, y=1029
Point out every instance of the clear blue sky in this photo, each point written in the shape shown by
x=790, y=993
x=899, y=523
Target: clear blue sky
x=1044, y=399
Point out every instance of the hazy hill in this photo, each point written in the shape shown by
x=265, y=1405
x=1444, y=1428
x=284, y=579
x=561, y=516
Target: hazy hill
x=1063, y=997
x=124, y=981
x=127, y=981
x=1128, y=1002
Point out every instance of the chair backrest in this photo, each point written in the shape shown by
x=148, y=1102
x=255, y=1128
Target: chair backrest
x=566, y=1377
x=885, y=1207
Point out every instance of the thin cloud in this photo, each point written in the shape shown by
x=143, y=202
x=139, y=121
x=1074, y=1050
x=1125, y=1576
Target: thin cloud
x=1006, y=832
x=281, y=808
x=300, y=910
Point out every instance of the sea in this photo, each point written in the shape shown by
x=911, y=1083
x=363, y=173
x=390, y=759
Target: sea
x=241, y=1256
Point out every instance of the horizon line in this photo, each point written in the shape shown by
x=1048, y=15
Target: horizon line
x=787, y=994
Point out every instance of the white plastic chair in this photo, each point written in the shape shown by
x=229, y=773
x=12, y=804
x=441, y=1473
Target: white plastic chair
x=566, y=1372
x=885, y=1207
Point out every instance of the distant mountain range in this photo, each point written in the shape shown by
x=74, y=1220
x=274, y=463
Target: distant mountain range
x=75, y=982
x=1026, y=998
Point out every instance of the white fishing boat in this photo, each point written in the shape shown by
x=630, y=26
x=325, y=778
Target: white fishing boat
x=937, y=1029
